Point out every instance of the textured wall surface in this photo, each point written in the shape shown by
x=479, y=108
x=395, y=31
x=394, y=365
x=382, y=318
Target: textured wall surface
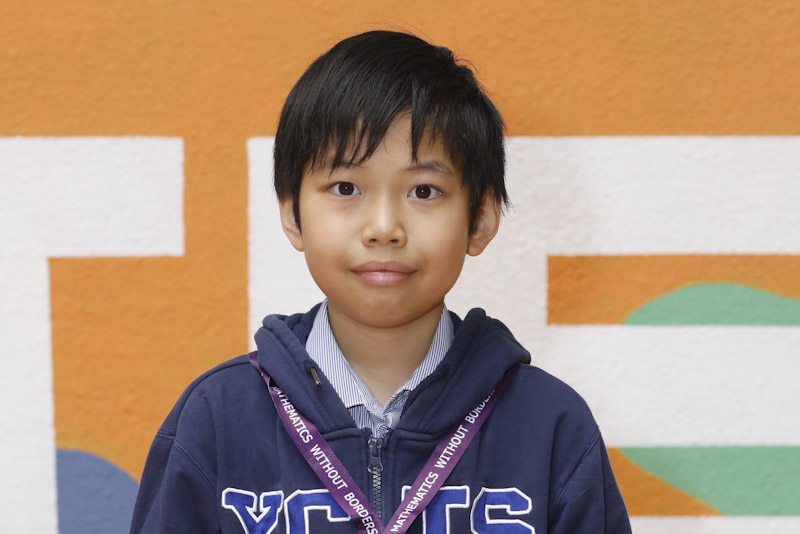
x=651, y=258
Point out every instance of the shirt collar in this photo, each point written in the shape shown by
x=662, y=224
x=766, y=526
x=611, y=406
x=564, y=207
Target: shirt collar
x=323, y=349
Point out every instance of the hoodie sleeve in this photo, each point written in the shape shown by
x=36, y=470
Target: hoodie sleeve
x=590, y=501
x=175, y=495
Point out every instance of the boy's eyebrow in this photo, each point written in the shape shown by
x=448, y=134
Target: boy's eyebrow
x=431, y=165
x=327, y=162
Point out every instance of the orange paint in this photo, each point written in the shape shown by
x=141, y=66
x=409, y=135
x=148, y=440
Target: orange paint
x=556, y=68
x=606, y=289
x=129, y=333
x=645, y=494
x=121, y=357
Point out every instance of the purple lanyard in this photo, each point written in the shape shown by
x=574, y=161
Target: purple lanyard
x=341, y=485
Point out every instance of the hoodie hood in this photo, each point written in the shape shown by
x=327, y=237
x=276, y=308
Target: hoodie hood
x=482, y=351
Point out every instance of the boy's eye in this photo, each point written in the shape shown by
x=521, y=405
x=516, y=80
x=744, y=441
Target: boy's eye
x=424, y=192
x=344, y=189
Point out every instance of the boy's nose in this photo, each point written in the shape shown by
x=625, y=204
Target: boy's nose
x=383, y=225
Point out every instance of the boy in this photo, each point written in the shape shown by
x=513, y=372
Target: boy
x=379, y=407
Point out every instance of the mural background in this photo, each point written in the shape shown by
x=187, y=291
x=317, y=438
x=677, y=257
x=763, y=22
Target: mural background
x=651, y=259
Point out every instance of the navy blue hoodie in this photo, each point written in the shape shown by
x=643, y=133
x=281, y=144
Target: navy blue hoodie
x=223, y=463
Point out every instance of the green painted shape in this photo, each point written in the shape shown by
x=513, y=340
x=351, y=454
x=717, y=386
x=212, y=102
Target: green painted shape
x=761, y=481
x=718, y=304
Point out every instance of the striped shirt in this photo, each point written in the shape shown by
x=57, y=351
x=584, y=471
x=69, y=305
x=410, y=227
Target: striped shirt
x=356, y=396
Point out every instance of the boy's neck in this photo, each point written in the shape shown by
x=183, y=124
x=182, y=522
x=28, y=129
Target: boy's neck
x=384, y=358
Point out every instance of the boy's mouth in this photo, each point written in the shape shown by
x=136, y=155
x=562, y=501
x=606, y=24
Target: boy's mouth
x=383, y=273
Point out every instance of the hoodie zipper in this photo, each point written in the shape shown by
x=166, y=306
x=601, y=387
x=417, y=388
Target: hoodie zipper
x=375, y=468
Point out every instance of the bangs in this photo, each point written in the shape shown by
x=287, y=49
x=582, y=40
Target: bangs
x=354, y=140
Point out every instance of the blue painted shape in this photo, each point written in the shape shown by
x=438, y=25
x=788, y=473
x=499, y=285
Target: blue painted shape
x=94, y=495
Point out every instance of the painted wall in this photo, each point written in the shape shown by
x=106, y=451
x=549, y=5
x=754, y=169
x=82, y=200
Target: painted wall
x=652, y=257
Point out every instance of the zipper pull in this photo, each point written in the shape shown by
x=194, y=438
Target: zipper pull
x=375, y=466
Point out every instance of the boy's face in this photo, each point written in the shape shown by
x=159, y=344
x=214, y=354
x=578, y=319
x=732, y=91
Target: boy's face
x=386, y=240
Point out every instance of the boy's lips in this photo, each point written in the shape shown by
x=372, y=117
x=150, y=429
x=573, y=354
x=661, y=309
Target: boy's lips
x=383, y=273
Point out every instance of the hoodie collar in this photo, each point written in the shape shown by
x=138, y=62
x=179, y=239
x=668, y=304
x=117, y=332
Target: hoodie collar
x=481, y=352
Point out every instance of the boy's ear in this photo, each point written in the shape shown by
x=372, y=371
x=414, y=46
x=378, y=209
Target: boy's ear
x=289, y=224
x=486, y=224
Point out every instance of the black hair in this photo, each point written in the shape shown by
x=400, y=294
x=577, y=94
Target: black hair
x=347, y=98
